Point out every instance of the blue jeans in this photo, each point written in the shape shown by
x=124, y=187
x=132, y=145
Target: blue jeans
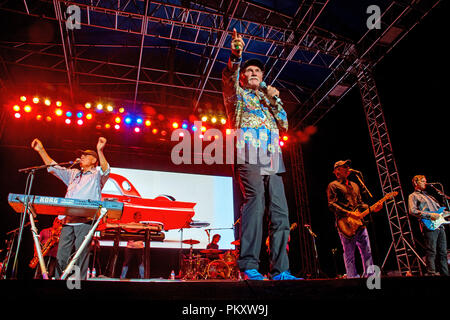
x=436, y=251
x=360, y=240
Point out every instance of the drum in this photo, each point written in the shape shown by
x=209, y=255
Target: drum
x=230, y=257
x=218, y=269
x=194, y=269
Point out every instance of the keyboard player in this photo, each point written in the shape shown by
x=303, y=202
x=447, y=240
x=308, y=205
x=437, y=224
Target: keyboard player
x=85, y=183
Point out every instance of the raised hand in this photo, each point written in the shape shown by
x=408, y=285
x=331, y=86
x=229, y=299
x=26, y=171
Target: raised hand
x=101, y=143
x=36, y=144
x=237, y=44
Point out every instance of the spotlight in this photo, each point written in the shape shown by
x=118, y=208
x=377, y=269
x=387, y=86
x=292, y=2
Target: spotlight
x=68, y=114
x=281, y=143
x=27, y=108
x=16, y=108
x=87, y=105
x=107, y=126
x=118, y=120
x=17, y=115
x=36, y=100
x=285, y=138
x=175, y=125
x=48, y=118
x=204, y=118
x=58, y=103
x=68, y=121
x=80, y=114
x=184, y=125
x=99, y=106
x=47, y=102
x=109, y=108
x=194, y=128
x=117, y=127
x=155, y=131
x=181, y=134
x=80, y=122
x=137, y=129
x=148, y=123
x=228, y=131
x=200, y=136
x=23, y=98
x=59, y=112
x=139, y=120
x=39, y=117
x=203, y=129
x=127, y=120
x=213, y=119
x=89, y=116
x=223, y=120
x=121, y=110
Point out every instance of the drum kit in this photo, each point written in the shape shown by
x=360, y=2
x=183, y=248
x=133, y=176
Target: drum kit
x=210, y=263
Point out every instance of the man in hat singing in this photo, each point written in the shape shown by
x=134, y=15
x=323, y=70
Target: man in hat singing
x=256, y=114
x=85, y=183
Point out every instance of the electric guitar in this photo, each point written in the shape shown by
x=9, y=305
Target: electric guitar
x=348, y=225
x=292, y=227
x=434, y=224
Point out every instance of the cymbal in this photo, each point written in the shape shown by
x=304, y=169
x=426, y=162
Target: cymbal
x=191, y=241
x=211, y=251
x=236, y=242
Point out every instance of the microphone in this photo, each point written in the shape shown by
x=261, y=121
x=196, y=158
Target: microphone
x=78, y=160
x=354, y=171
x=307, y=226
x=263, y=87
x=432, y=183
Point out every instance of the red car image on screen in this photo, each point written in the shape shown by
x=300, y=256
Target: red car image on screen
x=163, y=209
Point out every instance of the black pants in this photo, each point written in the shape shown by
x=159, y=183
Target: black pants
x=72, y=236
x=256, y=189
x=436, y=251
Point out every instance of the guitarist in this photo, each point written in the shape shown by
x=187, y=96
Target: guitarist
x=344, y=199
x=422, y=205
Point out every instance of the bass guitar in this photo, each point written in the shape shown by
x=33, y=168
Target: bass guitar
x=349, y=225
x=434, y=224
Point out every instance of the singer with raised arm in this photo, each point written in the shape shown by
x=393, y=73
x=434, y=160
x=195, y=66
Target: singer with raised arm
x=256, y=114
x=344, y=200
x=425, y=207
x=85, y=183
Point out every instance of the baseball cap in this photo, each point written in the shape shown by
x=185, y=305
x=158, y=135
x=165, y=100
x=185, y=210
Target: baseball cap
x=88, y=152
x=253, y=62
x=341, y=163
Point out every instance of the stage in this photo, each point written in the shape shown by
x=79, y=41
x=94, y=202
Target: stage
x=179, y=298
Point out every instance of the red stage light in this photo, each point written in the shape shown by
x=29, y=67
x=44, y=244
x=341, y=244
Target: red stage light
x=137, y=129
x=88, y=105
x=47, y=102
x=58, y=103
x=36, y=100
x=203, y=129
x=118, y=120
x=48, y=118
x=281, y=143
x=175, y=125
x=107, y=126
x=39, y=117
x=16, y=108
x=89, y=116
x=148, y=123
x=117, y=127
x=23, y=98
x=27, y=108
x=285, y=138
x=58, y=112
x=155, y=131
x=17, y=115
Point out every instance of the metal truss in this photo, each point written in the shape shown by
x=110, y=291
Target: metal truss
x=200, y=28
x=397, y=20
x=402, y=236
x=308, y=251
